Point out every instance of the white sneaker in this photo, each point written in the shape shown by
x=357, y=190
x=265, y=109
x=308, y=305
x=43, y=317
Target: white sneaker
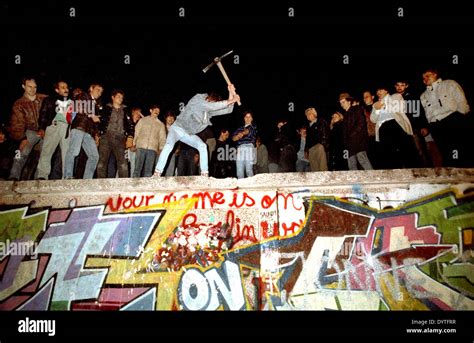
x=206, y=174
x=157, y=174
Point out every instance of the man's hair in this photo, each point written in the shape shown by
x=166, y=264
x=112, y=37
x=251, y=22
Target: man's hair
x=432, y=70
x=170, y=114
x=310, y=109
x=136, y=109
x=346, y=96
x=27, y=78
x=350, y=99
x=56, y=84
x=152, y=107
x=385, y=87
x=213, y=96
x=247, y=112
x=93, y=85
x=118, y=91
x=368, y=91
x=223, y=130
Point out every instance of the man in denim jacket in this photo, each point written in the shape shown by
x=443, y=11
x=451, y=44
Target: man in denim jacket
x=194, y=118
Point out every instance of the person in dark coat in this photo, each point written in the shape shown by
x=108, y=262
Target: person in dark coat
x=337, y=156
x=286, y=141
x=355, y=134
x=114, y=127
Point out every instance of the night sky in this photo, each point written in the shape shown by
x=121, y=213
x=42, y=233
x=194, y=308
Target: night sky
x=282, y=59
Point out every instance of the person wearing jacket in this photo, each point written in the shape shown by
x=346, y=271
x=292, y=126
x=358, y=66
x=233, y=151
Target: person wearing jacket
x=356, y=138
x=393, y=131
x=55, y=119
x=114, y=128
x=447, y=112
x=285, y=140
x=317, y=141
x=24, y=125
x=244, y=138
x=131, y=148
x=149, y=140
x=194, y=118
x=84, y=131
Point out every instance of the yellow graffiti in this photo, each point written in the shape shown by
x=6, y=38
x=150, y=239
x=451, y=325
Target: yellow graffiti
x=402, y=299
x=137, y=271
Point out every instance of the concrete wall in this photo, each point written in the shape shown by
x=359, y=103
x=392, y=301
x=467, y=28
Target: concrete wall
x=380, y=240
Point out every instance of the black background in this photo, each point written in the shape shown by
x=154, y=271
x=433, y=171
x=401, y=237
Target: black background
x=282, y=59
x=351, y=325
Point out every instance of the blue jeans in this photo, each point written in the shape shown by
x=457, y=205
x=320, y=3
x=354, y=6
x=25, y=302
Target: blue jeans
x=363, y=159
x=77, y=139
x=171, y=168
x=303, y=166
x=245, y=160
x=132, y=157
x=145, y=157
x=19, y=163
x=175, y=134
x=54, y=135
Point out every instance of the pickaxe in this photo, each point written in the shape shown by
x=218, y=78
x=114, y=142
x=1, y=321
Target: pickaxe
x=217, y=61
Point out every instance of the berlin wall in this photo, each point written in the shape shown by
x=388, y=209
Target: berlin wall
x=359, y=240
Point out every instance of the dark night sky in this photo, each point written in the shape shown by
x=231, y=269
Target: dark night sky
x=281, y=59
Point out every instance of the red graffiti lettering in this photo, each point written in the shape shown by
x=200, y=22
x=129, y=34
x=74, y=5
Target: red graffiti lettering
x=129, y=202
x=266, y=232
x=205, y=199
x=246, y=200
x=294, y=226
x=232, y=224
x=190, y=221
x=169, y=198
x=246, y=232
x=215, y=198
x=110, y=204
x=148, y=198
x=268, y=201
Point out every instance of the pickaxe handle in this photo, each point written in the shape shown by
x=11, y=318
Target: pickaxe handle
x=219, y=64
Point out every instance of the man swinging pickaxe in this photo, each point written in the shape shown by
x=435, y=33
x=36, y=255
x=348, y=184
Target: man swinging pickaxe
x=217, y=61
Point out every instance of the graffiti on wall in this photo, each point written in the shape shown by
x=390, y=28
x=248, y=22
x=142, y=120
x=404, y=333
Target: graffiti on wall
x=237, y=250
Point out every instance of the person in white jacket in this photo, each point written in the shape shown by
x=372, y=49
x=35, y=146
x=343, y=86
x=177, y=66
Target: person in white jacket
x=393, y=130
x=446, y=110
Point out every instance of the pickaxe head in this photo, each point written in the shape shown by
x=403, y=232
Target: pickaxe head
x=216, y=60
